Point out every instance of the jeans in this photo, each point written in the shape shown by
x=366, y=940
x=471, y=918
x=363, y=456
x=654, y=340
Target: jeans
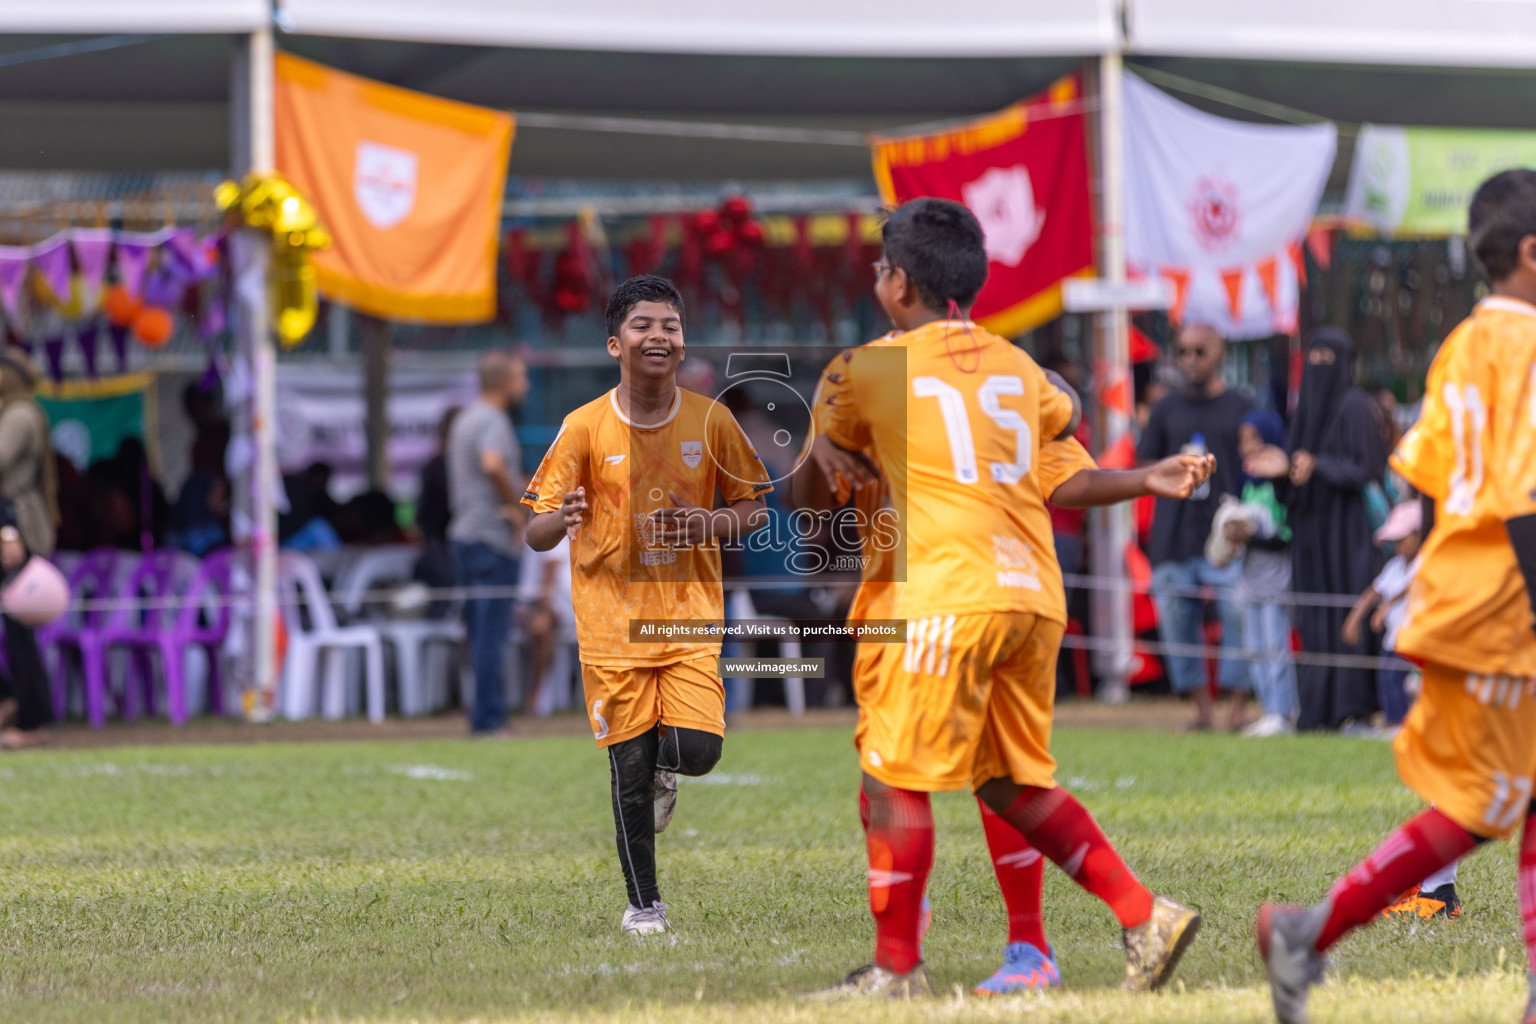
x=1390, y=692
x=1181, y=620
x=1267, y=629
x=489, y=620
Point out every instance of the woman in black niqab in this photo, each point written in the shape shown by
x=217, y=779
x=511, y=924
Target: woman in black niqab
x=1336, y=452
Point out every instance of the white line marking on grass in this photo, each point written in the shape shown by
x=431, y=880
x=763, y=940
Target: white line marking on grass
x=430, y=772
x=723, y=779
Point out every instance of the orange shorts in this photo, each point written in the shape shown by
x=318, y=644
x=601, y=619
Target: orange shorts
x=623, y=702
x=968, y=698
x=1468, y=746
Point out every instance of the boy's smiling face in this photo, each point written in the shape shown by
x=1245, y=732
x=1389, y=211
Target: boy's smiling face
x=649, y=345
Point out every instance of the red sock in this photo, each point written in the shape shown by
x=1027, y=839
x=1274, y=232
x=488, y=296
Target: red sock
x=1058, y=826
x=1020, y=874
x=1424, y=844
x=900, y=835
x=1528, y=885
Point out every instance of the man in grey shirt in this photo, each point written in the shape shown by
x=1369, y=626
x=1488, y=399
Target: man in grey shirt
x=485, y=527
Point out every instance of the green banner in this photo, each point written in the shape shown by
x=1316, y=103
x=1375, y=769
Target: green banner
x=1418, y=181
x=89, y=420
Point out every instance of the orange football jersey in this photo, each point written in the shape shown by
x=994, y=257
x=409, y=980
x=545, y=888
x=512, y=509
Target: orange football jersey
x=618, y=570
x=1474, y=451
x=955, y=417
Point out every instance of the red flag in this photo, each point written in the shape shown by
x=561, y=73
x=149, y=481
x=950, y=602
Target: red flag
x=1024, y=173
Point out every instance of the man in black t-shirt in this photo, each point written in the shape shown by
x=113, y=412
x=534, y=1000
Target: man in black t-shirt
x=1204, y=417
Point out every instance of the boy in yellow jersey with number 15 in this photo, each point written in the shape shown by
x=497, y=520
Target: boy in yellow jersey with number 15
x=632, y=479
x=1468, y=745
x=955, y=418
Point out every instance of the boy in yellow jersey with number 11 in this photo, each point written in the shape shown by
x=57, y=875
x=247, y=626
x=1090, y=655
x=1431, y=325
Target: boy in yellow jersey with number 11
x=1468, y=745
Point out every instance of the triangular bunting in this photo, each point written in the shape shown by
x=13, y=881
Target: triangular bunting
x=1232, y=281
x=1268, y=271
x=15, y=261
x=93, y=247
x=1180, y=281
x=51, y=258
x=1300, y=263
x=1320, y=245
x=132, y=261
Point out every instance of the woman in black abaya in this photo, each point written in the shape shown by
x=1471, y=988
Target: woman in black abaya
x=1337, y=451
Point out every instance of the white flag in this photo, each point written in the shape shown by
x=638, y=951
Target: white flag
x=1220, y=207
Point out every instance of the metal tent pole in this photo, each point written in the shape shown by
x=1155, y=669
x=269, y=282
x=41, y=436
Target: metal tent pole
x=251, y=255
x=1112, y=526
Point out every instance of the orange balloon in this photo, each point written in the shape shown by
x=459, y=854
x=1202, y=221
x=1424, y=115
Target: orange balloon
x=121, y=307
x=153, y=326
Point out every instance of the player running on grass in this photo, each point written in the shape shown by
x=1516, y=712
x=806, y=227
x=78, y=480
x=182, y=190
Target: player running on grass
x=1029, y=961
x=954, y=417
x=631, y=479
x=1468, y=745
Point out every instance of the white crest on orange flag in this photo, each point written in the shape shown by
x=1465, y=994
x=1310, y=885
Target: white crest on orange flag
x=1217, y=206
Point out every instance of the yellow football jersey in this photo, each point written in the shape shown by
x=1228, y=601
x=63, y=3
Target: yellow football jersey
x=1474, y=451
x=618, y=570
x=955, y=417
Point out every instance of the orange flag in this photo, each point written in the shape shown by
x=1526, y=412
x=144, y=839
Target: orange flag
x=1232, y=280
x=410, y=187
x=1268, y=269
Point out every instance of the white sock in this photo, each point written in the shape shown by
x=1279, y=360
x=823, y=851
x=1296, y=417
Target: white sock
x=1445, y=876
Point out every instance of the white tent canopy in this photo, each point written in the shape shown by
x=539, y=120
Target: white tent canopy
x=90, y=17
x=787, y=27
x=1443, y=33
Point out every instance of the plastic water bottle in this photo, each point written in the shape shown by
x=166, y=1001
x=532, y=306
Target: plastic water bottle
x=1196, y=446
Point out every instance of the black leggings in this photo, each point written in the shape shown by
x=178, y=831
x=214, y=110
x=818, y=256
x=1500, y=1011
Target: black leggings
x=632, y=767
x=26, y=681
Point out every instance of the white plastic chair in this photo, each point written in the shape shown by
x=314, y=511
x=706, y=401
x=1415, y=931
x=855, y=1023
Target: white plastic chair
x=316, y=647
x=409, y=637
x=739, y=608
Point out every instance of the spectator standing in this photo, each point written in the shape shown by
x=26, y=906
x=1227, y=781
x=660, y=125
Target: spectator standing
x=435, y=567
x=29, y=516
x=485, y=529
x=1204, y=417
x=1337, y=456
x=1266, y=580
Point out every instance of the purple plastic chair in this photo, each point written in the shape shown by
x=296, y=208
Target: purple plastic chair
x=99, y=575
x=173, y=630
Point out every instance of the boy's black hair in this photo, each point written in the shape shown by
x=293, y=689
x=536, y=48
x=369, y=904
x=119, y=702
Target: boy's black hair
x=941, y=246
x=644, y=288
x=1503, y=211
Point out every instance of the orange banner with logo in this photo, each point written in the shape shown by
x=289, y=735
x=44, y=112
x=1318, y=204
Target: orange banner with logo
x=410, y=187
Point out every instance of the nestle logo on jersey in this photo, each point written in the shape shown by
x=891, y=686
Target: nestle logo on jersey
x=1016, y=563
x=651, y=552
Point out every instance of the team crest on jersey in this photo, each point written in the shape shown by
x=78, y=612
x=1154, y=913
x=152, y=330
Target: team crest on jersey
x=693, y=453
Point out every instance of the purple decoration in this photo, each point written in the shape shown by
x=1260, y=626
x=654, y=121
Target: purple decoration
x=119, y=336
x=90, y=340
x=164, y=288
x=14, y=261
x=51, y=258
x=190, y=254
x=215, y=315
x=53, y=348
x=92, y=247
x=211, y=378
x=132, y=261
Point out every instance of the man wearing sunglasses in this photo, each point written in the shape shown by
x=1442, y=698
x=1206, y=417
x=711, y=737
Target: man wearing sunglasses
x=1203, y=417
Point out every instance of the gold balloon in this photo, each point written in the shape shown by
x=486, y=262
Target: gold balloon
x=269, y=203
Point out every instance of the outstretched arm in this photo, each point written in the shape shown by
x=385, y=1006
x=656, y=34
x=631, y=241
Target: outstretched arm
x=1175, y=477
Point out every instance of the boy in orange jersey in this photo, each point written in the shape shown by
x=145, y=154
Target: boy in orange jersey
x=1468, y=745
x=1068, y=477
x=954, y=418
x=632, y=478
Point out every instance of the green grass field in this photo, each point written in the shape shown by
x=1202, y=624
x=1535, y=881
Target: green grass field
x=447, y=881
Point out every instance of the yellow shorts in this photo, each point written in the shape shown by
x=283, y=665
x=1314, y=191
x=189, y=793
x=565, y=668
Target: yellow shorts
x=1468, y=746
x=623, y=702
x=968, y=698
